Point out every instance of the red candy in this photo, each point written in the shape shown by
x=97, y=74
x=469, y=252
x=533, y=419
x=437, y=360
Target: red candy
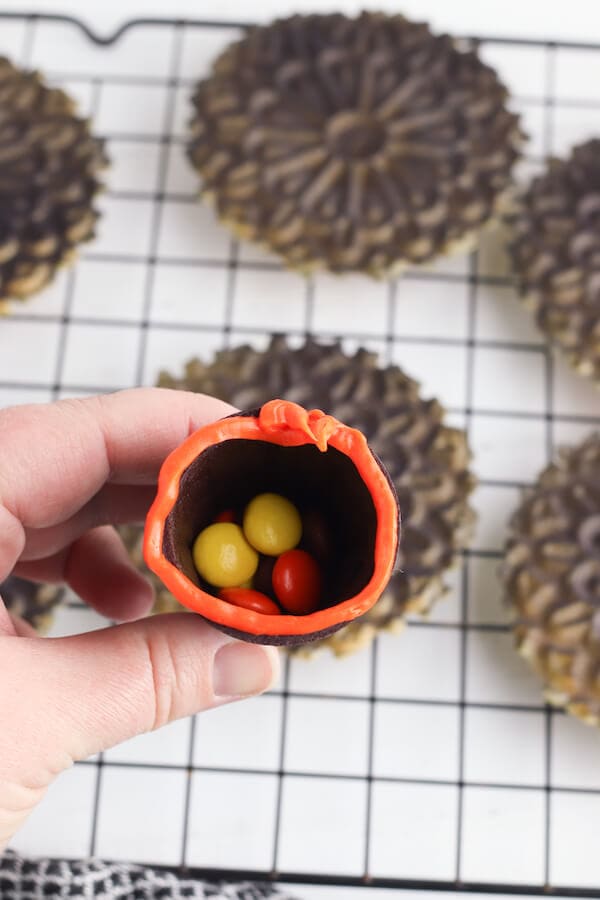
x=297, y=582
x=227, y=515
x=249, y=599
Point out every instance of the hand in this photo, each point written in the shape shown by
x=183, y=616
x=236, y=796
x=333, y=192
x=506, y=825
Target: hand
x=68, y=473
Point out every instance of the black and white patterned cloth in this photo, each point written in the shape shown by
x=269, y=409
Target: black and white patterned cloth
x=25, y=879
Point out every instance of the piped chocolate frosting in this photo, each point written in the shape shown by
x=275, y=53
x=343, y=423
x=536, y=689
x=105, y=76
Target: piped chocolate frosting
x=552, y=579
x=48, y=178
x=35, y=603
x=352, y=144
x=555, y=252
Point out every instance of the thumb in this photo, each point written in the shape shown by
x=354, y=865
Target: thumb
x=73, y=697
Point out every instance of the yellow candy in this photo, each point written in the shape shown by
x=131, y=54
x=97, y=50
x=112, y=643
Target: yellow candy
x=272, y=524
x=223, y=556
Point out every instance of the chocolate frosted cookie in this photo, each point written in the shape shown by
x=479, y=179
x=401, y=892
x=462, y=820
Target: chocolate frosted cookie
x=35, y=603
x=552, y=579
x=555, y=253
x=427, y=461
x=49, y=164
x=353, y=144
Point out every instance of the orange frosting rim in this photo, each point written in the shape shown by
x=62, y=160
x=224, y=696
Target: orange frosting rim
x=286, y=424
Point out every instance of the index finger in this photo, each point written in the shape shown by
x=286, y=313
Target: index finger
x=57, y=457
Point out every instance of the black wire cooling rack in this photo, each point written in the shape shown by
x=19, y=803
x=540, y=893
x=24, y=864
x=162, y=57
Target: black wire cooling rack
x=508, y=800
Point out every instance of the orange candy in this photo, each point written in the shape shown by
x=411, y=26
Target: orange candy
x=249, y=599
x=297, y=582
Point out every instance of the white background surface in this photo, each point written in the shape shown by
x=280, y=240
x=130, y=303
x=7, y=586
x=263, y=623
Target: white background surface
x=337, y=893
x=418, y=718
x=578, y=20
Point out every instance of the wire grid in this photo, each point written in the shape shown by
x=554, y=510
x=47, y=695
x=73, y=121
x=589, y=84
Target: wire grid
x=427, y=760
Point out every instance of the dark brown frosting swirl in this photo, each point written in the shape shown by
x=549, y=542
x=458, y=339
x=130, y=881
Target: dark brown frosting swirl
x=48, y=167
x=552, y=578
x=33, y=602
x=555, y=252
x=353, y=144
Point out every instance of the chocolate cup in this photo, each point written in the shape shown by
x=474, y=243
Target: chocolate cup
x=358, y=505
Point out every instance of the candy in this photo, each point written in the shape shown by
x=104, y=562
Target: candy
x=272, y=524
x=249, y=599
x=297, y=582
x=223, y=556
x=263, y=577
x=227, y=515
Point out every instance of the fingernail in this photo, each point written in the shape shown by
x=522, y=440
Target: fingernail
x=241, y=670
